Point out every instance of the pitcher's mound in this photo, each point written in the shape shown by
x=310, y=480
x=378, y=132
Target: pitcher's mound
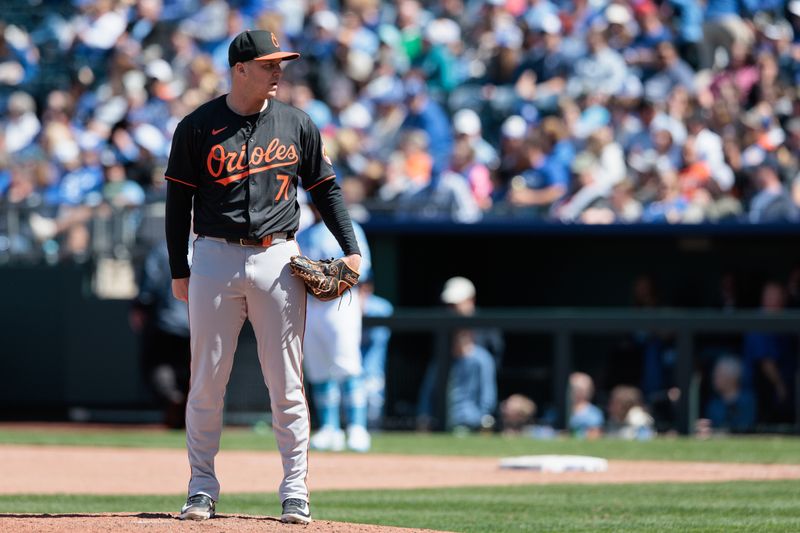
x=168, y=523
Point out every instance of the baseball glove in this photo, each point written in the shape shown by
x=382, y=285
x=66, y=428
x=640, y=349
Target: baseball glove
x=326, y=279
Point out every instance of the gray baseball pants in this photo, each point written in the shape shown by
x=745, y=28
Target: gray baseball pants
x=228, y=284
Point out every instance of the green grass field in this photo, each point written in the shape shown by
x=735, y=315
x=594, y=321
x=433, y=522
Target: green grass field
x=739, y=449
x=722, y=507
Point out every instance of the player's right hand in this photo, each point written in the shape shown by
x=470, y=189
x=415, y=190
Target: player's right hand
x=180, y=289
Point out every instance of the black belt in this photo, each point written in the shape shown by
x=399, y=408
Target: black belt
x=264, y=242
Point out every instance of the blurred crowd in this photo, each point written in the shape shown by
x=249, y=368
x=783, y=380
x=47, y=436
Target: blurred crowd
x=591, y=111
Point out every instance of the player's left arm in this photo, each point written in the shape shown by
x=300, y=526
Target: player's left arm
x=319, y=180
x=327, y=196
x=366, y=256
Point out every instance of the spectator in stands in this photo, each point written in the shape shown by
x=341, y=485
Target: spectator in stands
x=386, y=94
x=104, y=71
x=517, y=414
x=544, y=182
x=730, y=408
x=770, y=362
x=304, y=99
x=555, y=130
x=647, y=358
x=236, y=23
x=149, y=28
x=467, y=126
x=208, y=24
x=459, y=295
x=513, y=153
x=694, y=177
x=644, y=53
x=670, y=71
x=413, y=154
x=543, y=73
x=320, y=40
x=627, y=417
x=620, y=207
x=476, y=174
x=602, y=70
x=724, y=28
x=689, y=22
x=19, y=60
x=502, y=63
x=772, y=202
x=736, y=80
x=22, y=125
x=436, y=61
x=471, y=385
x=518, y=417
x=427, y=115
x=586, y=419
x=119, y=192
x=598, y=169
x=708, y=146
x=97, y=29
x=29, y=175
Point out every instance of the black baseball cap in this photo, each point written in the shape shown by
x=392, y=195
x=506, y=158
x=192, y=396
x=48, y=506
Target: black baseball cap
x=257, y=45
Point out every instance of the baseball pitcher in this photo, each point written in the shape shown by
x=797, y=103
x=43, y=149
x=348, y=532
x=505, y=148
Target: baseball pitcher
x=235, y=164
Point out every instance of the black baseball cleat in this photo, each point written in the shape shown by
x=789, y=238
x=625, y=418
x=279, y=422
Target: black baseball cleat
x=296, y=511
x=198, y=507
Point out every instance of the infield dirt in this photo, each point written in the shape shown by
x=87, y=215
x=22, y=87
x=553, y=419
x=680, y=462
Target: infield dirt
x=86, y=470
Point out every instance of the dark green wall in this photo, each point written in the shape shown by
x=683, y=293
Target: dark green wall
x=61, y=346
x=578, y=266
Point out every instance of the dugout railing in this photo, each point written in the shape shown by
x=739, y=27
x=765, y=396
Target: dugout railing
x=565, y=324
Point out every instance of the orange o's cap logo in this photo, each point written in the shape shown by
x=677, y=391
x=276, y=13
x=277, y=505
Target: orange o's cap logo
x=275, y=40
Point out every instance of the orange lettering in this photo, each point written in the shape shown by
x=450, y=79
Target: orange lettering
x=236, y=163
x=284, y=190
x=216, y=160
x=273, y=145
x=242, y=163
x=231, y=157
x=256, y=156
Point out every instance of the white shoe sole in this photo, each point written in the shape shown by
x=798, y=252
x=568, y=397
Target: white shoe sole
x=295, y=519
x=195, y=515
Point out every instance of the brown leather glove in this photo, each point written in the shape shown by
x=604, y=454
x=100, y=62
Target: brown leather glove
x=326, y=279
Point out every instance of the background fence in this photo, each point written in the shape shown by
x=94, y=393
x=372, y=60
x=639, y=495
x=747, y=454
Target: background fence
x=564, y=297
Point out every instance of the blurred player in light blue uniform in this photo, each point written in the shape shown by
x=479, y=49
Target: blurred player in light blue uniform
x=332, y=350
x=374, y=345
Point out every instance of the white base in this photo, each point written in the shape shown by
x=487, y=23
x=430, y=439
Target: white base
x=555, y=463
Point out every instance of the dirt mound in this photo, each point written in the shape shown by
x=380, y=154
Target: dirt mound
x=168, y=523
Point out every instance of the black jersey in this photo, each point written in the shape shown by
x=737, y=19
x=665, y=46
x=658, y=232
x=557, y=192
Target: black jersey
x=240, y=175
x=245, y=169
